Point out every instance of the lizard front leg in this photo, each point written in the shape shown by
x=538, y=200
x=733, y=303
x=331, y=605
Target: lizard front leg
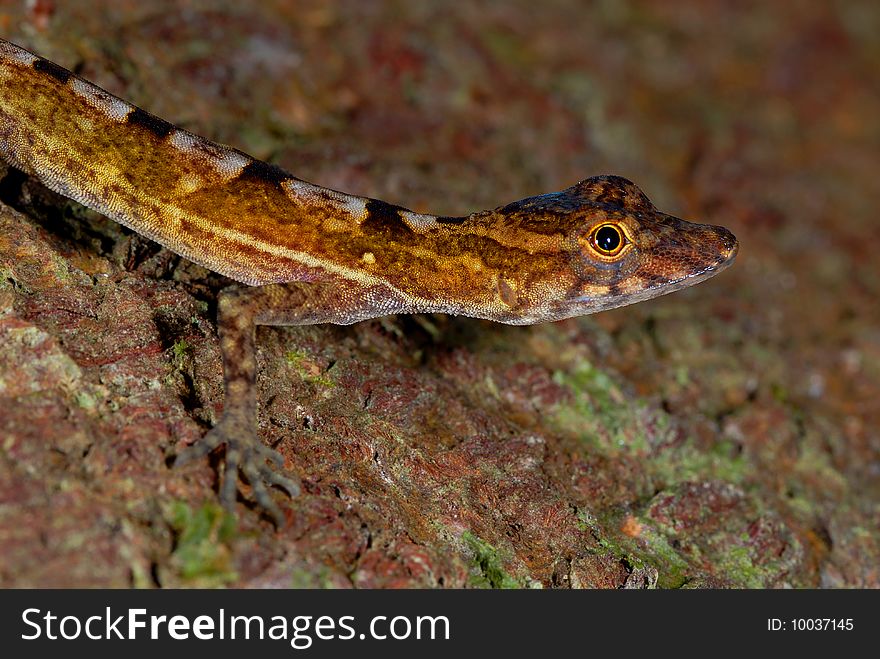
x=240, y=310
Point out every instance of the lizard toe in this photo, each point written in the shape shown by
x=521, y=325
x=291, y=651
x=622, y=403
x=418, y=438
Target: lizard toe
x=245, y=453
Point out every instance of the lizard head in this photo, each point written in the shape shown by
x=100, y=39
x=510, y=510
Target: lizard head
x=617, y=248
x=625, y=250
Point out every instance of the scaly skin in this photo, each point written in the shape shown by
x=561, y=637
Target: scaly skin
x=308, y=254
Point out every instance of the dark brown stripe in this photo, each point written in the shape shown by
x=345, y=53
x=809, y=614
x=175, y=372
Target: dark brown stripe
x=60, y=74
x=159, y=127
x=384, y=218
x=258, y=170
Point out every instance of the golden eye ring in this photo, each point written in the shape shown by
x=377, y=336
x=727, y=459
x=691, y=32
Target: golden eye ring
x=608, y=239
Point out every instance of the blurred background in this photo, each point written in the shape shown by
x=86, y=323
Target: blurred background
x=726, y=435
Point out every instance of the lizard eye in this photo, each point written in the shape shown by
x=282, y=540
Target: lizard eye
x=607, y=240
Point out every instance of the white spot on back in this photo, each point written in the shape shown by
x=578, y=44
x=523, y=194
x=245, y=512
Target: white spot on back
x=109, y=105
x=418, y=222
x=230, y=162
x=356, y=206
x=227, y=161
x=300, y=190
x=309, y=193
x=12, y=53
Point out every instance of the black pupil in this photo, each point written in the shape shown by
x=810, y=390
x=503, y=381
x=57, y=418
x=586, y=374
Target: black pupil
x=608, y=239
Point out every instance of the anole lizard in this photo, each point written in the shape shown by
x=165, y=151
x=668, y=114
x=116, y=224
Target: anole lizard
x=305, y=254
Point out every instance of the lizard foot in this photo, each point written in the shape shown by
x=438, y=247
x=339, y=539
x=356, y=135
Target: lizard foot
x=245, y=452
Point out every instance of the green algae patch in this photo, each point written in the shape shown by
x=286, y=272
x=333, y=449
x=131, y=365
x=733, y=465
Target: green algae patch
x=655, y=550
x=599, y=414
x=308, y=576
x=737, y=565
x=488, y=563
x=203, y=556
x=180, y=349
x=85, y=400
x=8, y=279
x=307, y=369
x=180, y=353
x=649, y=550
x=686, y=463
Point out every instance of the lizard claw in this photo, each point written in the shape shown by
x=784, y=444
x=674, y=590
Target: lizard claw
x=246, y=453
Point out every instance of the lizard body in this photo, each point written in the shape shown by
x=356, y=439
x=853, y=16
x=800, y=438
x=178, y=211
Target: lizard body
x=305, y=254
